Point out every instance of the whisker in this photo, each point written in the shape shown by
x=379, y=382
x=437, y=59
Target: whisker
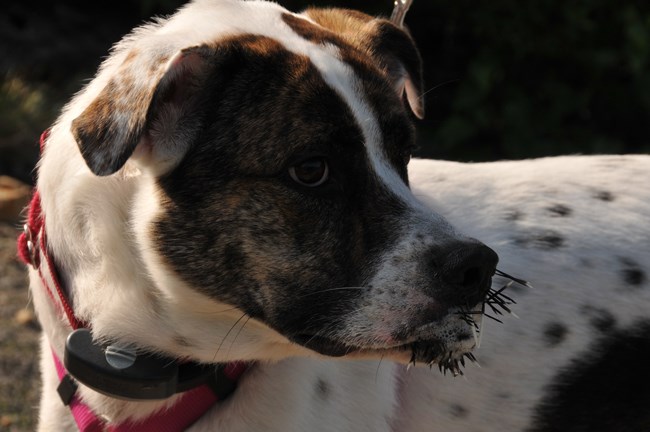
x=226, y=336
x=442, y=84
x=377, y=371
x=235, y=338
x=332, y=289
x=208, y=313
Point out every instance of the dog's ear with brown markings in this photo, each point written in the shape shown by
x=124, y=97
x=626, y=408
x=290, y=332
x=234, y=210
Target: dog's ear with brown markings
x=144, y=108
x=396, y=52
x=391, y=47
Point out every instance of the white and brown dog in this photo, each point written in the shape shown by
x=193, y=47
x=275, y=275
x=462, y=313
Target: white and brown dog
x=232, y=186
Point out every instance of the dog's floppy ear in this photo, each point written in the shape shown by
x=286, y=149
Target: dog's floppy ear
x=397, y=54
x=145, y=102
x=389, y=45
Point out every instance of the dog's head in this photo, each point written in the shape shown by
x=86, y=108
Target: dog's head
x=271, y=150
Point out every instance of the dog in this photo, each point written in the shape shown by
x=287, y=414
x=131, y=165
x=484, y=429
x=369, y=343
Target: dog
x=232, y=186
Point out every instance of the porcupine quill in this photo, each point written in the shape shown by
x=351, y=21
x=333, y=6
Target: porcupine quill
x=496, y=300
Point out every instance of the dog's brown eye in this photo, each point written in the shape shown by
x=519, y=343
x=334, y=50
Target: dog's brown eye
x=311, y=172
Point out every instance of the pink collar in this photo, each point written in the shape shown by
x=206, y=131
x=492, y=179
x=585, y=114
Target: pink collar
x=190, y=405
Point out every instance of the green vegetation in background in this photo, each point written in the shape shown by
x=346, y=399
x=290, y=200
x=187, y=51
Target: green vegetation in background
x=535, y=78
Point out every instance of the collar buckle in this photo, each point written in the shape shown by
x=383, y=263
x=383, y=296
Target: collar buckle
x=32, y=251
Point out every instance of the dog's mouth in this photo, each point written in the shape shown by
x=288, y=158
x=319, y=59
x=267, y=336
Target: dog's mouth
x=448, y=357
x=447, y=343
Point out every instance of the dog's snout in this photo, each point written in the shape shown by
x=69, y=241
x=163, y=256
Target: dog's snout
x=465, y=268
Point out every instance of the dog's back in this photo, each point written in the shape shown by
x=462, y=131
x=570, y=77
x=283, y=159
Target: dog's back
x=574, y=360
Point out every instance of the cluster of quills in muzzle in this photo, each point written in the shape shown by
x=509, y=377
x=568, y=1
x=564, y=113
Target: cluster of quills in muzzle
x=446, y=363
x=498, y=303
x=495, y=299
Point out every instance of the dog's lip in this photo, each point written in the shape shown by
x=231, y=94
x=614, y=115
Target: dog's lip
x=333, y=348
x=325, y=346
x=431, y=342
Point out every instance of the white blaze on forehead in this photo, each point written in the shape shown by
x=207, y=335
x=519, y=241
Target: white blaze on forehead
x=341, y=77
x=209, y=21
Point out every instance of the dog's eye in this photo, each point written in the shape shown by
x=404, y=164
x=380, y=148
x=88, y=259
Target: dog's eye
x=311, y=172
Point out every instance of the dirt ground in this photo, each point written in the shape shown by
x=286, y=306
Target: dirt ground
x=19, y=335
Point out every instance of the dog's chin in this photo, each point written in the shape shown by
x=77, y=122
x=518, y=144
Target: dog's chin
x=446, y=343
x=333, y=348
x=427, y=352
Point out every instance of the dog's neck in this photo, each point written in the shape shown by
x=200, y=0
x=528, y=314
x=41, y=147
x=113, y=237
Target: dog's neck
x=93, y=229
x=197, y=395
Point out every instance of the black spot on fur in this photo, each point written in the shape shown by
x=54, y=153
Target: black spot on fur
x=604, y=195
x=632, y=273
x=458, y=411
x=604, y=389
x=600, y=319
x=513, y=216
x=560, y=210
x=543, y=239
x=322, y=388
x=634, y=276
x=555, y=333
x=550, y=241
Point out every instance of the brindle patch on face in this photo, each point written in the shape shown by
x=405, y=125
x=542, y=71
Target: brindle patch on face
x=238, y=229
x=364, y=48
x=346, y=22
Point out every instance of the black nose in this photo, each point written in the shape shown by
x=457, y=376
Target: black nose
x=465, y=268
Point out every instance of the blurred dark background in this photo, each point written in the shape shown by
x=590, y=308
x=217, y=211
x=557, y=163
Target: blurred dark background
x=504, y=78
